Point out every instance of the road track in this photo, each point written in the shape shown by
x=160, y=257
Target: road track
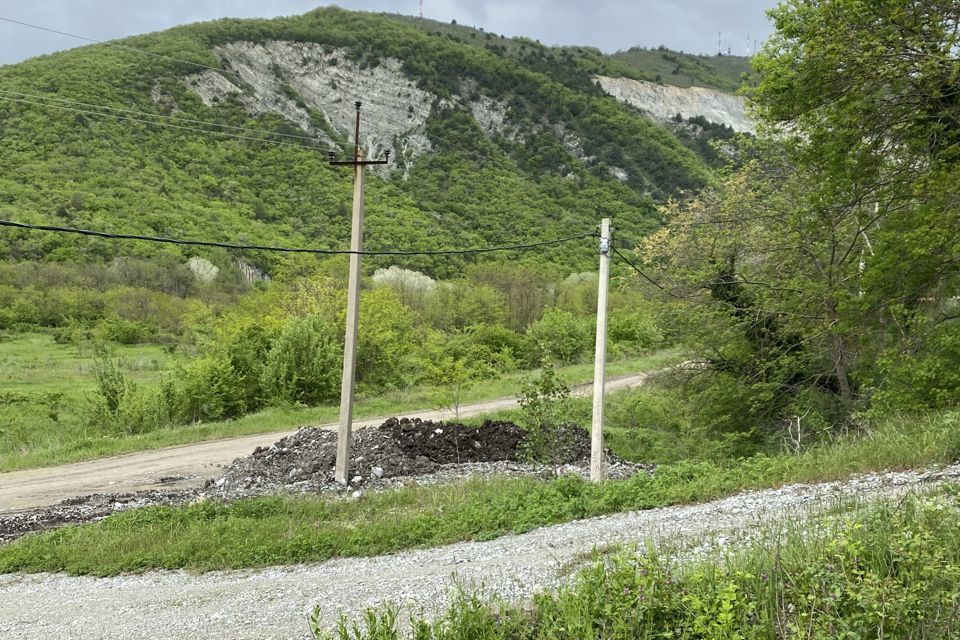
x=191, y=465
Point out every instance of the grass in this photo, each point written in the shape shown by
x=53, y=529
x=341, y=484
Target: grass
x=44, y=390
x=46, y=386
x=283, y=530
x=717, y=72
x=882, y=571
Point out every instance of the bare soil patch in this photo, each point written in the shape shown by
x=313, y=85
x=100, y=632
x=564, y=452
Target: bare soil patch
x=398, y=452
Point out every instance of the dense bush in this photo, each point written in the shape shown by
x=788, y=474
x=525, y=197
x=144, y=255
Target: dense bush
x=559, y=335
x=304, y=363
x=632, y=332
x=927, y=377
x=207, y=389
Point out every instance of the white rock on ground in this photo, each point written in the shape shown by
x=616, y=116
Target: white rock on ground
x=274, y=603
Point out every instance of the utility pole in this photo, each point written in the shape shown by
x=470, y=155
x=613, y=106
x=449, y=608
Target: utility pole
x=600, y=357
x=353, y=303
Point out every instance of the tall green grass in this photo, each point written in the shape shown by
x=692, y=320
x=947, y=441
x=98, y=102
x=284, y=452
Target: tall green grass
x=285, y=530
x=44, y=391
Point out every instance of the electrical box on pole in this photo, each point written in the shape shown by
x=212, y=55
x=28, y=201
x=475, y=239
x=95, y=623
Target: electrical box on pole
x=342, y=470
x=600, y=357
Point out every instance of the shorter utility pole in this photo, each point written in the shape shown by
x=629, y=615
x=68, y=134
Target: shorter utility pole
x=342, y=469
x=600, y=357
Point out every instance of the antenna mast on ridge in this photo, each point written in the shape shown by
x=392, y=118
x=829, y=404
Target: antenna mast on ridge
x=421, y=8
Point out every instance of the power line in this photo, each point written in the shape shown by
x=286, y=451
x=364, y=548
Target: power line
x=253, y=247
x=155, y=115
x=730, y=305
x=118, y=46
x=644, y=275
x=158, y=123
x=44, y=102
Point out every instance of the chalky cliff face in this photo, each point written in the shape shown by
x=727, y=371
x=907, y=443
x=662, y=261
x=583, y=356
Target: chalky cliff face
x=314, y=88
x=663, y=102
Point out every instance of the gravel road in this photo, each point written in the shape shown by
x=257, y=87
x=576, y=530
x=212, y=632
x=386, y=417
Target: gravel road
x=274, y=603
x=191, y=465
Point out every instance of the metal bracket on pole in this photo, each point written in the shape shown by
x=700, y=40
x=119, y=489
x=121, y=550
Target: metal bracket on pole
x=342, y=470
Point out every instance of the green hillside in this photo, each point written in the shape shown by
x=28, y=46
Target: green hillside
x=64, y=163
x=680, y=69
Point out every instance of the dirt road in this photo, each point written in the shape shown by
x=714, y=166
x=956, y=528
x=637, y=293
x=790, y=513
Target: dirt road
x=273, y=603
x=190, y=465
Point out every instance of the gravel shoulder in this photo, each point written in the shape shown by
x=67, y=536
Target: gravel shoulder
x=274, y=603
x=190, y=466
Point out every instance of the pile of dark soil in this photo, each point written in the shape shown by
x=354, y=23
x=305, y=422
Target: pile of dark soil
x=397, y=448
x=396, y=452
x=454, y=443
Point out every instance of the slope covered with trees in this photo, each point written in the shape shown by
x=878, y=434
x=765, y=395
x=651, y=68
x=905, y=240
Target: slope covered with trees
x=66, y=162
x=819, y=282
x=679, y=69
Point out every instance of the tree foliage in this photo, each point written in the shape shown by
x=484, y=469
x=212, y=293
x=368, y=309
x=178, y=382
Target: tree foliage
x=821, y=275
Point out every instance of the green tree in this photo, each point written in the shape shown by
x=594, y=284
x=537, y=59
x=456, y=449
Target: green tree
x=559, y=335
x=304, y=364
x=791, y=276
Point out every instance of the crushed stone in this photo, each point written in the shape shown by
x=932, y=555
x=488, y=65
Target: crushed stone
x=399, y=452
x=275, y=603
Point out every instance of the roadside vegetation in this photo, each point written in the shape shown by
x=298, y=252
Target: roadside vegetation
x=811, y=287
x=878, y=571
x=268, y=531
x=89, y=373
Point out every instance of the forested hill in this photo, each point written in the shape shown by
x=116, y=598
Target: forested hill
x=725, y=72
x=496, y=141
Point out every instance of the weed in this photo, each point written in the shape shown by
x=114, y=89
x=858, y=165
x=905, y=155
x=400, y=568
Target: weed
x=883, y=571
x=283, y=530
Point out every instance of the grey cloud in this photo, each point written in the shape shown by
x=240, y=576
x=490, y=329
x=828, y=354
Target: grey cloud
x=690, y=25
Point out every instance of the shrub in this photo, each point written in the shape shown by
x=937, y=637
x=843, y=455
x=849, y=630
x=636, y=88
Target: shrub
x=122, y=331
x=545, y=405
x=926, y=379
x=633, y=332
x=459, y=304
x=385, y=341
x=558, y=335
x=412, y=287
x=494, y=346
x=245, y=346
x=112, y=382
x=304, y=363
x=208, y=389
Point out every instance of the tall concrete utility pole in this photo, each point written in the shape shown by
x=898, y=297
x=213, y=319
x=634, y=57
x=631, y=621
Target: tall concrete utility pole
x=353, y=303
x=600, y=357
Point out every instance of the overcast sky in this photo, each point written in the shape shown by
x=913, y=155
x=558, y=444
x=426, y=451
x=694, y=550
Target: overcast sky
x=690, y=25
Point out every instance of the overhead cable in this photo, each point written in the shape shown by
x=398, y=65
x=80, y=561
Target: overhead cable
x=644, y=275
x=254, y=247
x=5, y=92
x=117, y=46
